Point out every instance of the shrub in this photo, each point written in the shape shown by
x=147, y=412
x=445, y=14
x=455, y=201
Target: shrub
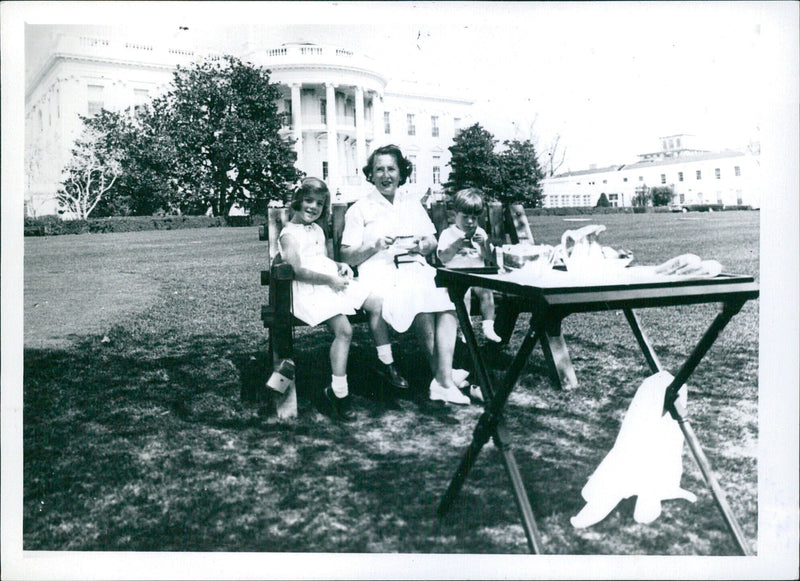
x=53, y=225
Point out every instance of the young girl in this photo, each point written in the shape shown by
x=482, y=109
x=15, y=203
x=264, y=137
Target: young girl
x=464, y=245
x=324, y=290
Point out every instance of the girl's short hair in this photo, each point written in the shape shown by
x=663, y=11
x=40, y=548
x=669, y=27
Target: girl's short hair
x=468, y=201
x=405, y=166
x=316, y=186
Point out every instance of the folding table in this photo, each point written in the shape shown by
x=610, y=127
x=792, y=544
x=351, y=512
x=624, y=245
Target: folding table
x=550, y=298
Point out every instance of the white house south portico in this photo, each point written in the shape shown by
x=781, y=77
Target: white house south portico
x=333, y=109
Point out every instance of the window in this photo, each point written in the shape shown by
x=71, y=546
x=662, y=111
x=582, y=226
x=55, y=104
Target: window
x=95, y=104
x=678, y=142
x=613, y=199
x=641, y=178
x=670, y=144
x=576, y=200
x=140, y=96
x=624, y=179
x=437, y=178
x=698, y=175
x=586, y=199
x=663, y=178
x=738, y=197
x=680, y=176
x=323, y=110
x=412, y=179
x=737, y=171
x=682, y=198
x=434, y=126
x=324, y=170
x=412, y=129
x=387, y=124
x=605, y=181
x=457, y=123
x=564, y=200
x=716, y=173
x=286, y=115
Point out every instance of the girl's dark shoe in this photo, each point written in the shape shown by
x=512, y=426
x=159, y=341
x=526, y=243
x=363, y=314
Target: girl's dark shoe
x=392, y=375
x=340, y=406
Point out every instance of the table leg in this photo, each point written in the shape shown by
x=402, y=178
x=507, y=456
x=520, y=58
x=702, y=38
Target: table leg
x=672, y=405
x=556, y=355
x=491, y=425
x=644, y=343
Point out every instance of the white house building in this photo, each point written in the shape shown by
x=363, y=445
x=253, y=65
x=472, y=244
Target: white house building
x=338, y=106
x=697, y=176
x=79, y=75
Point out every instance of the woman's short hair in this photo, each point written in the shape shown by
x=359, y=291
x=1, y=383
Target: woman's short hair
x=405, y=166
x=468, y=201
x=312, y=185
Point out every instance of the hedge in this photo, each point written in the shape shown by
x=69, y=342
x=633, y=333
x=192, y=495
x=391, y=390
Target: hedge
x=53, y=225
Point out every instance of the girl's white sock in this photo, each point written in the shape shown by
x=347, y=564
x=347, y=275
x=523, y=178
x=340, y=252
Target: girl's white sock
x=339, y=385
x=385, y=354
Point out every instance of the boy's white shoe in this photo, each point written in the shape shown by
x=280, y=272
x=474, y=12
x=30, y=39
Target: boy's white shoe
x=488, y=332
x=452, y=395
x=475, y=392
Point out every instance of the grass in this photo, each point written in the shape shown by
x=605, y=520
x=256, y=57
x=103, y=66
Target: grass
x=135, y=438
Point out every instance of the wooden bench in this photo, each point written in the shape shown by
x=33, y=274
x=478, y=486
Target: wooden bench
x=503, y=224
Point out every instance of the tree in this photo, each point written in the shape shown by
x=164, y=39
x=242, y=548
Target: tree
x=90, y=173
x=520, y=174
x=225, y=125
x=513, y=175
x=473, y=162
x=553, y=156
x=642, y=197
x=662, y=195
x=602, y=201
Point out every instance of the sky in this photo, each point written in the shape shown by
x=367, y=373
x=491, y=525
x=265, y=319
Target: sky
x=608, y=78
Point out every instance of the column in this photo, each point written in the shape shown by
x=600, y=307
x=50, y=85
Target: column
x=333, y=139
x=377, y=120
x=361, y=144
x=297, y=125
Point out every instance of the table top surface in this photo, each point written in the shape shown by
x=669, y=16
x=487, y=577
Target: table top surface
x=613, y=288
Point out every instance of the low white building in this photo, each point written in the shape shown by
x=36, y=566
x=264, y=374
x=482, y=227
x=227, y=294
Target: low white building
x=728, y=177
x=338, y=106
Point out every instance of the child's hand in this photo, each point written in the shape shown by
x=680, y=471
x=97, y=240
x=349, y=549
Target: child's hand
x=344, y=270
x=339, y=283
x=479, y=238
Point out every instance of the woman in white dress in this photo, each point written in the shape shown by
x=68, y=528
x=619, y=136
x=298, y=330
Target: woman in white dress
x=379, y=227
x=324, y=290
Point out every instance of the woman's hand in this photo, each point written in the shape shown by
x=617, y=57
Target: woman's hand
x=383, y=242
x=422, y=245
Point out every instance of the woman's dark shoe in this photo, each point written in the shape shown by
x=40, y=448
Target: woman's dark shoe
x=340, y=405
x=392, y=375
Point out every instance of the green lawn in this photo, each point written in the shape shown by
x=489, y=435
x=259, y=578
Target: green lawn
x=135, y=437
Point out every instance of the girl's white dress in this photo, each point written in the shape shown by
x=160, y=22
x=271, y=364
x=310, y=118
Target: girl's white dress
x=315, y=303
x=408, y=288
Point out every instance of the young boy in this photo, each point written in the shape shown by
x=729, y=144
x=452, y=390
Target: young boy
x=465, y=245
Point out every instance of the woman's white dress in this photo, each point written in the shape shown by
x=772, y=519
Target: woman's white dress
x=407, y=289
x=315, y=303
